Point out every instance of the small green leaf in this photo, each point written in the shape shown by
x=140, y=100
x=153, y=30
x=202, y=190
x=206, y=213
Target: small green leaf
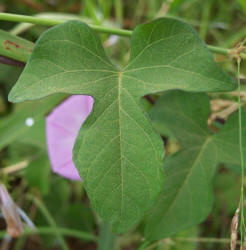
x=38, y=173
x=183, y=113
x=14, y=47
x=226, y=198
x=227, y=140
x=243, y=5
x=186, y=198
x=118, y=153
x=79, y=216
x=15, y=127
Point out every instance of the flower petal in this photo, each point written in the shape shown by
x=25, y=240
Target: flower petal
x=62, y=127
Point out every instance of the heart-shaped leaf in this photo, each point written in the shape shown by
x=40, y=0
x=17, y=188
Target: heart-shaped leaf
x=187, y=197
x=118, y=153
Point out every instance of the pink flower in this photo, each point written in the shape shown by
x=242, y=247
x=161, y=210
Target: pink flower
x=62, y=127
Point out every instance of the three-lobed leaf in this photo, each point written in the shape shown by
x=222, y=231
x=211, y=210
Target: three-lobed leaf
x=186, y=198
x=117, y=152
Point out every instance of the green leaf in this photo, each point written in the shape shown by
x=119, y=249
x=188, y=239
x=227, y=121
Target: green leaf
x=14, y=47
x=226, y=198
x=227, y=141
x=34, y=136
x=187, y=197
x=118, y=153
x=243, y=5
x=15, y=127
x=79, y=216
x=185, y=113
x=9, y=75
x=38, y=174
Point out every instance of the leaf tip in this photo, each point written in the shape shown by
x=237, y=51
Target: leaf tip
x=13, y=97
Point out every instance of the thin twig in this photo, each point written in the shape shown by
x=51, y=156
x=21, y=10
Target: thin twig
x=63, y=231
x=15, y=167
x=188, y=239
x=12, y=62
x=205, y=240
x=241, y=153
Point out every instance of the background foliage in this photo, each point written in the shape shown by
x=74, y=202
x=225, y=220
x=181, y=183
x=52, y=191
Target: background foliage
x=219, y=23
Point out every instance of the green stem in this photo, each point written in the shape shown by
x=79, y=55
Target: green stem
x=205, y=18
x=92, y=10
x=106, y=7
x=118, y=11
x=224, y=51
x=241, y=154
x=50, y=220
x=103, y=29
x=219, y=50
x=204, y=240
x=51, y=22
x=151, y=245
x=106, y=238
x=63, y=231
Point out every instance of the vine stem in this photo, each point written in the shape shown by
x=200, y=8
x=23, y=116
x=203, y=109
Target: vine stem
x=51, y=22
x=241, y=155
x=10, y=61
x=15, y=167
x=51, y=231
x=103, y=29
x=151, y=245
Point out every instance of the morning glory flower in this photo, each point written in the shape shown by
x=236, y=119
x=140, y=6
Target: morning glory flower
x=62, y=127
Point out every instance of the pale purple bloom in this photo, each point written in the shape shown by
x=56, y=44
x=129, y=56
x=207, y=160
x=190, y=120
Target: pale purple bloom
x=62, y=127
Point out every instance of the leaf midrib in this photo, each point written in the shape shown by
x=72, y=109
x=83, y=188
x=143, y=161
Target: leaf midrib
x=173, y=68
x=120, y=138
